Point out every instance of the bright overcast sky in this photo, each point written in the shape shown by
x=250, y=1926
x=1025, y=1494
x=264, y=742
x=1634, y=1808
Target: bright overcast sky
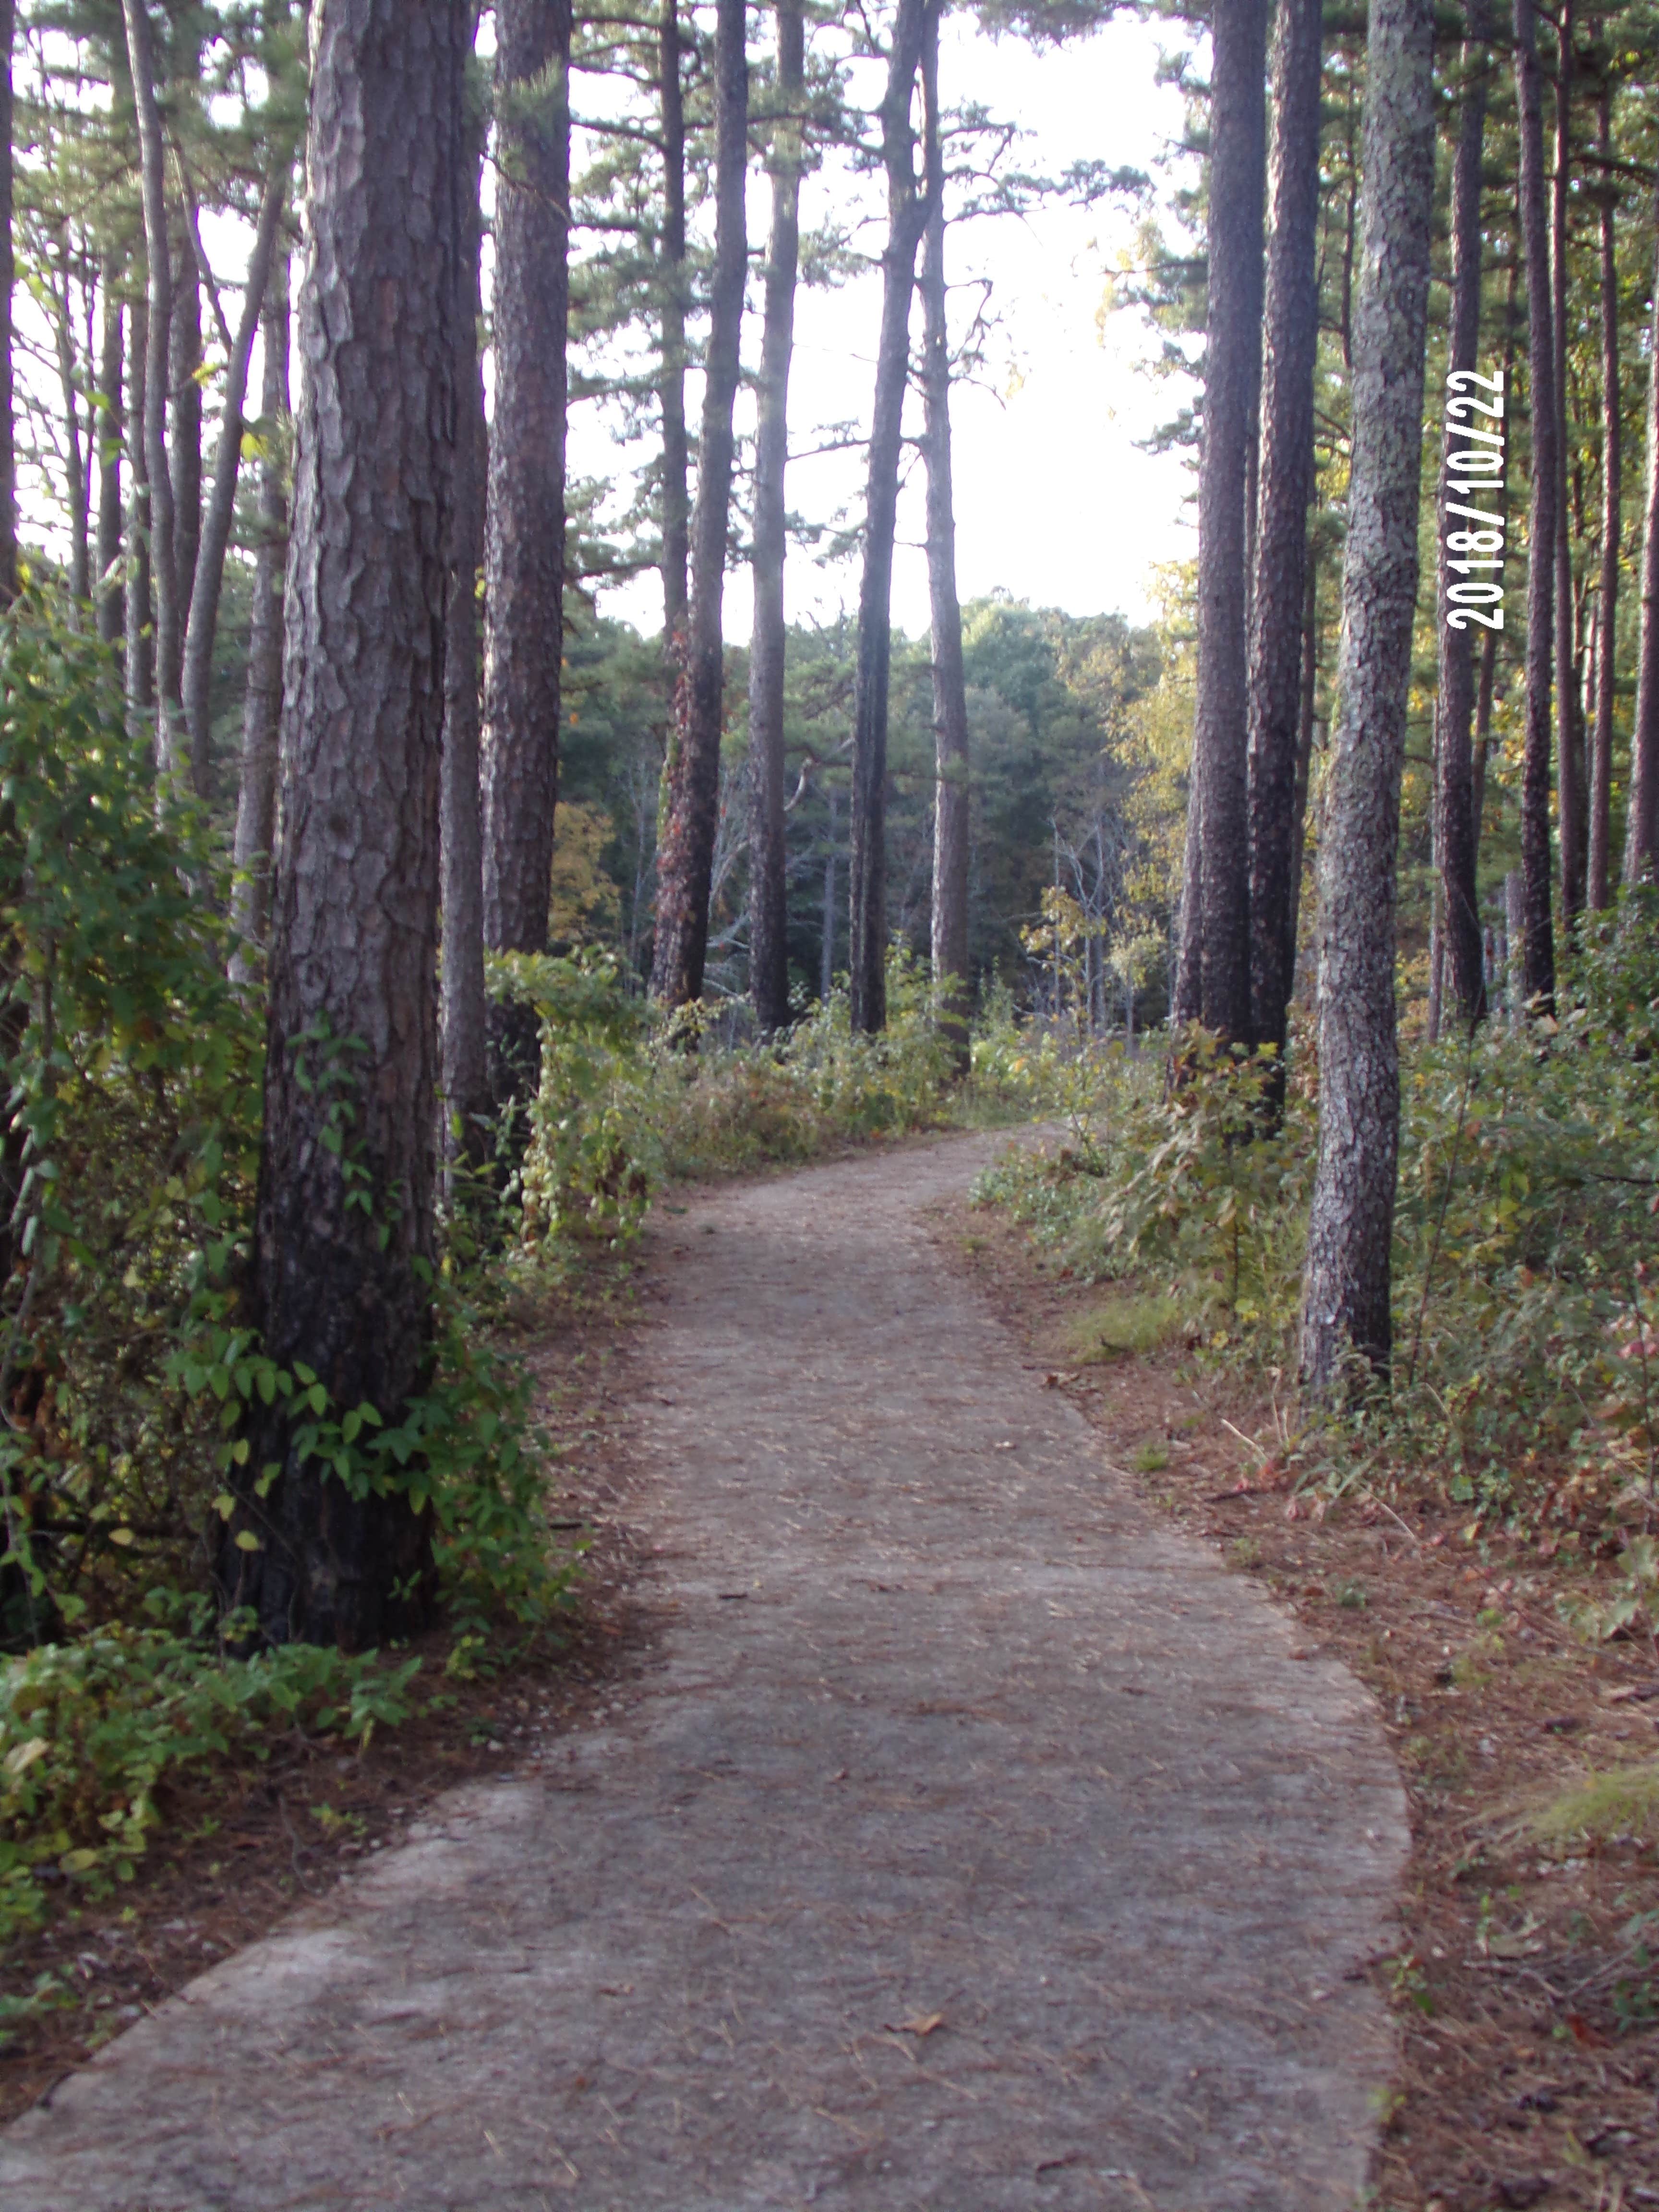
x=1055, y=502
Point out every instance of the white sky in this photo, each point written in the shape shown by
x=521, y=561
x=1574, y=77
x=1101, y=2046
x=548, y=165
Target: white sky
x=1054, y=501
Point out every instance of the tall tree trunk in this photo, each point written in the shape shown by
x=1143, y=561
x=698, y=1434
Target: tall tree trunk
x=768, y=904
x=827, y=937
x=1598, y=887
x=1347, y=1287
x=908, y=211
x=1642, y=817
x=8, y=282
x=111, y=428
x=1289, y=343
x=685, y=857
x=465, y=1014
x=1570, y=778
x=137, y=612
x=1455, y=846
x=261, y=708
x=523, y=556
x=185, y=406
x=1538, y=963
x=676, y=499
x=1217, y=905
x=74, y=474
x=342, y=1291
x=154, y=496
x=951, y=786
x=202, y=632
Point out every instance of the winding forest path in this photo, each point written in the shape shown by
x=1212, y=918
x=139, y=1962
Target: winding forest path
x=974, y=1844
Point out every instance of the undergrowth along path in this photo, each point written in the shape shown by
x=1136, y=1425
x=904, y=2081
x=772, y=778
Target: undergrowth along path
x=972, y=1842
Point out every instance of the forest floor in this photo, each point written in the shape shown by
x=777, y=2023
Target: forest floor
x=1522, y=1978
x=950, y=1830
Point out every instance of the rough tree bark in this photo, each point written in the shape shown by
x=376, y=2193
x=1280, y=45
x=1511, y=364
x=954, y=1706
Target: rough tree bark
x=1598, y=887
x=465, y=1015
x=137, y=612
x=153, y=496
x=202, y=628
x=1346, y=1291
x=1642, y=821
x=1456, y=845
x=908, y=211
x=1538, y=963
x=352, y=1070
x=524, y=556
x=1569, y=777
x=676, y=499
x=1289, y=342
x=111, y=338
x=768, y=908
x=262, y=706
x=1216, y=906
x=685, y=856
x=950, y=789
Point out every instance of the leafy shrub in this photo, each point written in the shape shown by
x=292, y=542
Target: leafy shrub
x=1526, y=1264
x=90, y=1733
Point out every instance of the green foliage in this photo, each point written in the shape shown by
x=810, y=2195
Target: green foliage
x=90, y=1732
x=627, y=1104
x=1526, y=1263
x=134, y=1071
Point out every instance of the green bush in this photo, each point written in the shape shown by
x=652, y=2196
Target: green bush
x=91, y=1731
x=1526, y=1263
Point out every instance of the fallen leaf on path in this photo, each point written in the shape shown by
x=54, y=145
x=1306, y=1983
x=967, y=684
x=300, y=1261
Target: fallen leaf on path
x=923, y=2024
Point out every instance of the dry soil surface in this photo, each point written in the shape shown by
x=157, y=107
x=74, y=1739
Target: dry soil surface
x=973, y=1843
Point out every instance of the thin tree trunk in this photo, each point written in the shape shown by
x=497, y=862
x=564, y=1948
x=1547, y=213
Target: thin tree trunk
x=827, y=940
x=685, y=857
x=1456, y=847
x=261, y=708
x=1290, y=344
x=1347, y=1287
x=676, y=499
x=1570, y=778
x=343, y=1289
x=137, y=613
x=769, y=910
x=111, y=429
x=1606, y=612
x=1539, y=956
x=908, y=211
x=1642, y=817
x=74, y=474
x=185, y=406
x=1220, y=911
x=8, y=282
x=951, y=802
x=154, y=497
x=202, y=632
x=465, y=1018
x=523, y=556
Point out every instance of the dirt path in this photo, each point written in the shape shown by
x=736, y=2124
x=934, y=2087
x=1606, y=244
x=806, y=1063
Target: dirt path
x=976, y=1845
